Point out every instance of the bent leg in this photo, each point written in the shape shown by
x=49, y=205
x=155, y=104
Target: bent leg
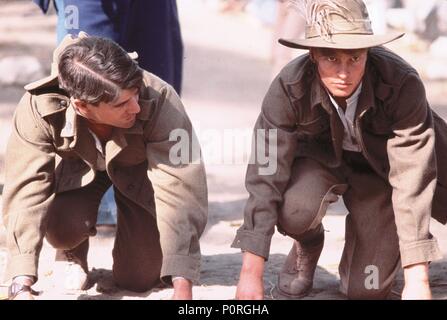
x=72, y=215
x=137, y=256
x=312, y=188
x=371, y=256
x=72, y=219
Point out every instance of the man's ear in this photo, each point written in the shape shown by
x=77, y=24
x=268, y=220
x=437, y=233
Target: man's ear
x=80, y=106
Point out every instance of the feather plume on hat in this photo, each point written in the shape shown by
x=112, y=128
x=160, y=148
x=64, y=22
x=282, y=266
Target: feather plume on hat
x=317, y=12
x=336, y=24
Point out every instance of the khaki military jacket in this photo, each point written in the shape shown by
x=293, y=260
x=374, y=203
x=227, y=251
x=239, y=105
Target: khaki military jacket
x=51, y=151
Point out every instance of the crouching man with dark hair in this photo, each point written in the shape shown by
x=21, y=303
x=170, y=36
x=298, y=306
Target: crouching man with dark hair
x=100, y=120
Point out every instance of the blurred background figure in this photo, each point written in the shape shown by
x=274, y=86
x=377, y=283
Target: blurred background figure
x=425, y=23
x=376, y=10
x=289, y=24
x=274, y=15
x=427, y=19
x=418, y=12
x=151, y=28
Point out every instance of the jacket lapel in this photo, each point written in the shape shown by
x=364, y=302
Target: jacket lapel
x=337, y=131
x=115, y=145
x=366, y=98
x=82, y=142
x=120, y=136
x=320, y=97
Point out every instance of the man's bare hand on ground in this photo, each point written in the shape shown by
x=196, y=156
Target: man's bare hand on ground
x=251, y=284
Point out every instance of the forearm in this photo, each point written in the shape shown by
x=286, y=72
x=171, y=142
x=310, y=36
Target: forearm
x=28, y=191
x=252, y=264
x=181, y=210
x=413, y=173
x=251, y=282
x=266, y=190
x=25, y=234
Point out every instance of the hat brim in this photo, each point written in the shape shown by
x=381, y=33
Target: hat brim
x=342, y=41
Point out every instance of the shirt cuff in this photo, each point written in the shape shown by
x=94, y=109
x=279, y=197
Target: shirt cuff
x=419, y=252
x=23, y=264
x=175, y=266
x=178, y=278
x=255, y=243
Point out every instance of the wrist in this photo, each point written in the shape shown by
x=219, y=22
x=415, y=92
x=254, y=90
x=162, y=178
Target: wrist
x=252, y=264
x=182, y=288
x=180, y=282
x=417, y=273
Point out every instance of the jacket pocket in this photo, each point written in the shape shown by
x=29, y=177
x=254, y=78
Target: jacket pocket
x=312, y=128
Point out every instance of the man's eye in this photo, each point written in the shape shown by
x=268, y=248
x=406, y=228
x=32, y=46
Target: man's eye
x=331, y=58
x=355, y=58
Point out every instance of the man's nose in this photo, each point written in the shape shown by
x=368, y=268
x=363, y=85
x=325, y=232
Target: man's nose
x=134, y=107
x=343, y=71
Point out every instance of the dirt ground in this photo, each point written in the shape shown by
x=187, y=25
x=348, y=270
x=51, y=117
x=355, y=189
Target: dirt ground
x=226, y=73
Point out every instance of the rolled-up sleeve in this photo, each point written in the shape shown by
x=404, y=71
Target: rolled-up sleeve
x=177, y=174
x=28, y=188
x=413, y=172
x=274, y=131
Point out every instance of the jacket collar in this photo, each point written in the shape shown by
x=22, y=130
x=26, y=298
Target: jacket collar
x=306, y=75
x=70, y=129
x=374, y=89
x=76, y=128
x=319, y=95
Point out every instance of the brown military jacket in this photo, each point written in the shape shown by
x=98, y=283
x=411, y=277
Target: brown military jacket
x=404, y=141
x=51, y=151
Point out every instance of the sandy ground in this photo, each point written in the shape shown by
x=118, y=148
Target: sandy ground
x=227, y=72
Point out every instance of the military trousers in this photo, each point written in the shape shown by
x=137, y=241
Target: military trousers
x=137, y=256
x=371, y=241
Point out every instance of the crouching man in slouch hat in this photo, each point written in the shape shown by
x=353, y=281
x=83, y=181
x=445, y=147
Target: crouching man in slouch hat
x=352, y=120
x=100, y=120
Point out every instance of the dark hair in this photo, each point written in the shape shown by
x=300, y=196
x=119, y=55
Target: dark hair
x=95, y=70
